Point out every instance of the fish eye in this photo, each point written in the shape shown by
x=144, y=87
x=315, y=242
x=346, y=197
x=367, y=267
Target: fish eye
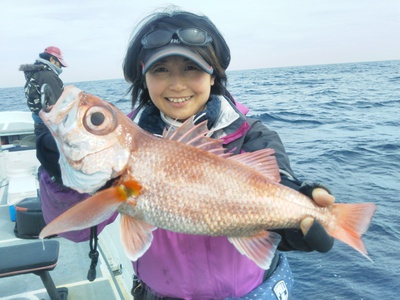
x=100, y=120
x=97, y=118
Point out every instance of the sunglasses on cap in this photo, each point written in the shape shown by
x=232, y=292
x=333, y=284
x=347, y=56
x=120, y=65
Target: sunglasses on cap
x=188, y=36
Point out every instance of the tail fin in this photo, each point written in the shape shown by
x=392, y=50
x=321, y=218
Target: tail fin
x=352, y=221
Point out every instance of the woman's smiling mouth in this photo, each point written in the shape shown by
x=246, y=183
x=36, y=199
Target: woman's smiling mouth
x=179, y=100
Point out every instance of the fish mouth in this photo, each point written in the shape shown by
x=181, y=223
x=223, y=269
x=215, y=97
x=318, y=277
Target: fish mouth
x=45, y=113
x=47, y=109
x=178, y=99
x=55, y=114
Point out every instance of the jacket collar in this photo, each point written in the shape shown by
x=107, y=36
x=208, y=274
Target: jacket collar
x=159, y=120
x=51, y=66
x=225, y=120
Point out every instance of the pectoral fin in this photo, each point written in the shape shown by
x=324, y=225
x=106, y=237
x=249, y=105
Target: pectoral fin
x=259, y=248
x=93, y=210
x=136, y=236
x=85, y=214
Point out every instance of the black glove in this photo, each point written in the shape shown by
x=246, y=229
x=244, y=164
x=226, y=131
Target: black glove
x=317, y=238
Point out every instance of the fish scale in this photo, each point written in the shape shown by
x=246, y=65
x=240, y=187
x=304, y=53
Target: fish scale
x=183, y=182
x=226, y=204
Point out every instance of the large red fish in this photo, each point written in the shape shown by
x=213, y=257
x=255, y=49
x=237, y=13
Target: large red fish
x=183, y=182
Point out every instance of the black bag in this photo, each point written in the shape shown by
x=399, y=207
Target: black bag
x=29, y=218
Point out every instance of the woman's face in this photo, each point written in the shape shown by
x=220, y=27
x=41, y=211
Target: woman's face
x=178, y=87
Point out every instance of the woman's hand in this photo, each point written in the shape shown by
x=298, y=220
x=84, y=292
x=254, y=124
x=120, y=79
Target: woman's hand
x=314, y=233
x=322, y=198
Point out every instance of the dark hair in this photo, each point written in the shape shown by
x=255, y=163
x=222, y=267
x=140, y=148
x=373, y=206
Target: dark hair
x=216, y=54
x=47, y=56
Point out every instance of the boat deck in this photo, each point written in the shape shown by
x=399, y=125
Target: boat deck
x=70, y=272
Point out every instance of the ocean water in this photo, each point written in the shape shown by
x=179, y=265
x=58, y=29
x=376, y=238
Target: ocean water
x=340, y=126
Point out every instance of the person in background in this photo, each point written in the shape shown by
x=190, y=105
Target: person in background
x=176, y=64
x=44, y=71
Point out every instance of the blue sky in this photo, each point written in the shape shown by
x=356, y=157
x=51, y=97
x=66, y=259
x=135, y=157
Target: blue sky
x=93, y=35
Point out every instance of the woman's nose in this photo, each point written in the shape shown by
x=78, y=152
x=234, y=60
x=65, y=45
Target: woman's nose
x=177, y=83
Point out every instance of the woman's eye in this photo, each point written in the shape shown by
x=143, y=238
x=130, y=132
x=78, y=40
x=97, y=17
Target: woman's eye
x=159, y=69
x=192, y=68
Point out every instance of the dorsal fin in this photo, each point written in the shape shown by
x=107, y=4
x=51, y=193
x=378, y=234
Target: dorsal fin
x=262, y=160
x=195, y=135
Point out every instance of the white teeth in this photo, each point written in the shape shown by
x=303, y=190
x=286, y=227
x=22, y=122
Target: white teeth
x=178, y=100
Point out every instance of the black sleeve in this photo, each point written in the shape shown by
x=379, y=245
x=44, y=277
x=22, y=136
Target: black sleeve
x=53, y=82
x=48, y=155
x=32, y=93
x=260, y=137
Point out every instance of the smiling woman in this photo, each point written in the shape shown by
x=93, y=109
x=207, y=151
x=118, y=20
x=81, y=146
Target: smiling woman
x=178, y=87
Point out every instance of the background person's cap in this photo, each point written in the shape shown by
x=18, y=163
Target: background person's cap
x=57, y=53
x=170, y=50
